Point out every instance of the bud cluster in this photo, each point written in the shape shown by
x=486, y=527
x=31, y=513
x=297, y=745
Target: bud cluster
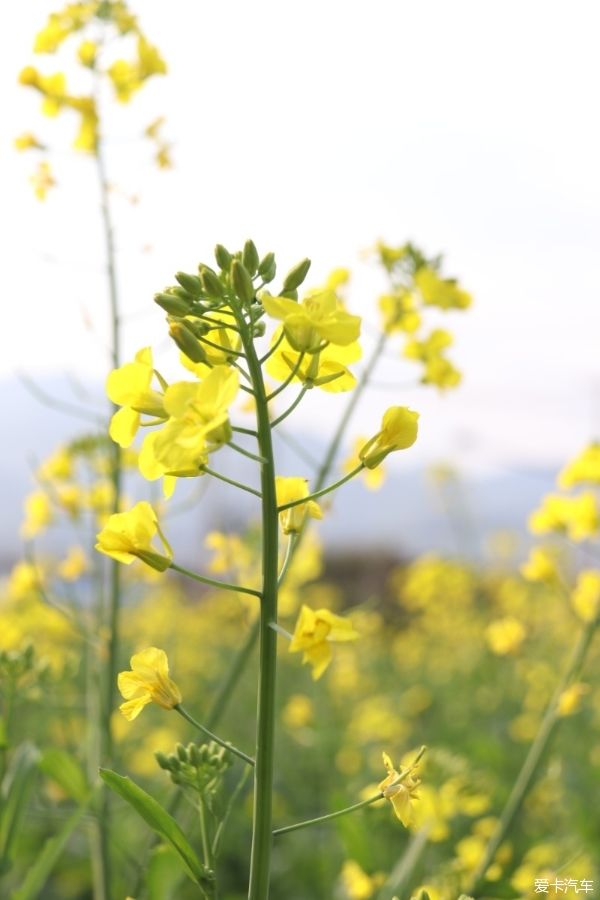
x=198, y=766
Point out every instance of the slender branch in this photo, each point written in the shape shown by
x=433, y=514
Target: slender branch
x=226, y=350
x=282, y=631
x=323, y=491
x=244, y=452
x=532, y=760
x=238, y=430
x=288, y=380
x=290, y=409
x=238, y=484
x=334, y=815
x=272, y=350
x=289, y=554
x=223, y=585
x=214, y=737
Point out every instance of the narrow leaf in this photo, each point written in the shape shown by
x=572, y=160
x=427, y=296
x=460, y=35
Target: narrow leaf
x=159, y=820
x=62, y=768
x=15, y=791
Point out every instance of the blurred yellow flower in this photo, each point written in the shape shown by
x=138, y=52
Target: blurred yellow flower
x=442, y=292
x=28, y=141
x=42, y=180
x=74, y=564
x=315, y=630
x=586, y=595
x=578, y=517
x=400, y=793
x=584, y=469
x=127, y=536
x=291, y=489
x=399, y=312
x=356, y=884
x=38, y=514
x=541, y=565
x=148, y=682
x=399, y=428
x=505, y=635
x=569, y=701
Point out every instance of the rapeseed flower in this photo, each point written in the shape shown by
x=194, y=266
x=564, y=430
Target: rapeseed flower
x=584, y=469
x=38, y=514
x=399, y=428
x=288, y=490
x=400, y=789
x=317, y=318
x=442, y=292
x=129, y=387
x=326, y=369
x=578, y=517
x=505, y=635
x=315, y=631
x=541, y=565
x=147, y=682
x=127, y=536
x=586, y=595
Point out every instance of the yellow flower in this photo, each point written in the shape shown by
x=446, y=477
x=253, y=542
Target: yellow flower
x=541, y=565
x=129, y=535
x=586, y=595
x=585, y=468
x=373, y=478
x=87, y=52
x=74, y=564
x=399, y=428
x=357, y=884
x=42, y=180
x=578, y=517
x=569, y=701
x=400, y=793
x=505, y=635
x=315, y=630
x=38, y=514
x=399, y=312
x=326, y=369
x=288, y=490
x=442, y=292
x=148, y=682
x=28, y=141
x=129, y=387
x=316, y=319
x=438, y=369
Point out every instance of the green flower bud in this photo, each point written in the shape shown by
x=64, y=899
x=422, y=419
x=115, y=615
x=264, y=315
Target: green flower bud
x=242, y=283
x=211, y=283
x=181, y=753
x=223, y=257
x=186, y=342
x=194, y=755
x=173, y=305
x=174, y=763
x=190, y=283
x=259, y=329
x=296, y=276
x=162, y=760
x=291, y=295
x=250, y=257
x=267, y=268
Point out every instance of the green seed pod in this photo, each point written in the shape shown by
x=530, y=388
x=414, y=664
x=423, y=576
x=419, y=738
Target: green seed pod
x=250, y=257
x=162, y=760
x=173, y=305
x=223, y=257
x=259, y=329
x=242, y=283
x=186, y=342
x=296, y=276
x=211, y=283
x=190, y=283
x=267, y=268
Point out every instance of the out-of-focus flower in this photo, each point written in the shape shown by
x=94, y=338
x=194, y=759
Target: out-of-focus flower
x=355, y=882
x=38, y=514
x=586, y=595
x=584, y=469
x=569, y=701
x=315, y=631
x=147, y=682
x=291, y=489
x=578, y=517
x=541, y=565
x=442, y=292
x=74, y=564
x=42, y=180
x=505, y=635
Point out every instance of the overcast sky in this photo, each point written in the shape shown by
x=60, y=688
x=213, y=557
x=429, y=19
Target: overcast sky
x=471, y=128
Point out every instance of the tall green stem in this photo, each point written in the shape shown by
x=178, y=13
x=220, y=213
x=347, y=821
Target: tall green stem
x=532, y=760
x=260, y=859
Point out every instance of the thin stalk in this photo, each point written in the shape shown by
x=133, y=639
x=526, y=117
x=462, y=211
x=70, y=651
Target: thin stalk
x=238, y=430
x=253, y=456
x=260, y=857
x=224, y=585
x=214, y=737
x=238, y=484
x=288, y=380
x=334, y=815
x=532, y=760
x=272, y=350
x=323, y=491
x=290, y=408
x=289, y=554
x=218, y=347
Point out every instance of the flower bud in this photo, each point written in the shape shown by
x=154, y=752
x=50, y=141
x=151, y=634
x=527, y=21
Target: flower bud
x=250, y=257
x=211, y=283
x=296, y=276
x=259, y=329
x=190, y=283
x=186, y=342
x=181, y=753
x=162, y=760
x=223, y=257
x=267, y=268
x=242, y=283
x=173, y=305
x=174, y=764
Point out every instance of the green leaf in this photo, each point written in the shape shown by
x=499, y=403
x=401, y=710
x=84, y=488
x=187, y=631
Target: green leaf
x=39, y=872
x=160, y=821
x=62, y=768
x=13, y=800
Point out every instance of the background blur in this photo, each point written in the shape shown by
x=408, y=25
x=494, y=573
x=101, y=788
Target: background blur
x=317, y=128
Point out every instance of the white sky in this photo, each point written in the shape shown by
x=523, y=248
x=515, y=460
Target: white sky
x=317, y=127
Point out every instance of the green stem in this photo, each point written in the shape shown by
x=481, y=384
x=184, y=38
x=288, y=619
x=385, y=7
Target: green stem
x=238, y=430
x=244, y=452
x=289, y=555
x=227, y=351
x=272, y=350
x=334, y=815
x=214, y=737
x=260, y=857
x=224, y=585
x=238, y=484
x=529, y=768
x=206, y=847
x=288, y=380
x=290, y=408
x=323, y=491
